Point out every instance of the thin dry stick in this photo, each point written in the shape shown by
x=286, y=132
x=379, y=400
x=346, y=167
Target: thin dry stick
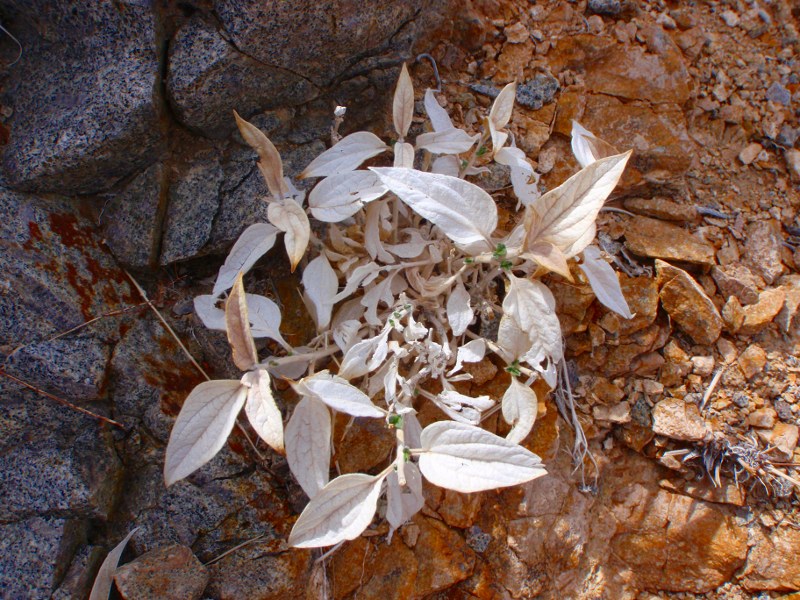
x=187, y=353
x=232, y=550
x=113, y=313
x=62, y=401
x=167, y=326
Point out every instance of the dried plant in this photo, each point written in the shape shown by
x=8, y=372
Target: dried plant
x=410, y=270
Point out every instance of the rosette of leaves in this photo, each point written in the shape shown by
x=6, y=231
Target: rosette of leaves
x=397, y=289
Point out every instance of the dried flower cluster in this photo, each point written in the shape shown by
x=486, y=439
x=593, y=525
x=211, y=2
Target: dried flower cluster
x=411, y=269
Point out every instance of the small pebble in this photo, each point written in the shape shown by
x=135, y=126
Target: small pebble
x=702, y=365
x=731, y=18
x=750, y=153
x=666, y=21
x=779, y=94
x=605, y=7
x=784, y=410
x=740, y=399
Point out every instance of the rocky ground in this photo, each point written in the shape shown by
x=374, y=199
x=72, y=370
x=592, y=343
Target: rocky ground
x=119, y=154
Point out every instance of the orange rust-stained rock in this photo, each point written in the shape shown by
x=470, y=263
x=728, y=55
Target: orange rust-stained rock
x=657, y=239
x=688, y=305
x=459, y=510
x=674, y=418
x=171, y=573
x=672, y=542
x=773, y=562
x=260, y=574
x=757, y=316
x=443, y=557
x=363, y=445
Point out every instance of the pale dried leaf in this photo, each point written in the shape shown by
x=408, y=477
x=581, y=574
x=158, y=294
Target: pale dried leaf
x=563, y=215
x=338, y=197
x=459, y=312
x=463, y=408
x=340, y=511
x=254, y=242
x=204, y=423
x=512, y=339
x=237, y=324
x=265, y=319
x=587, y=147
x=356, y=278
x=503, y=105
x=462, y=210
x=403, y=103
x=372, y=234
x=520, y=406
x=440, y=120
x=446, y=165
x=524, y=179
x=365, y=356
x=472, y=351
x=464, y=458
x=346, y=155
x=604, y=282
x=205, y=307
x=532, y=306
x=269, y=163
x=321, y=284
x=550, y=257
x=308, y=444
x=104, y=580
x=402, y=503
x=450, y=141
x=261, y=410
x=339, y=394
x=288, y=216
x=403, y=155
x=498, y=138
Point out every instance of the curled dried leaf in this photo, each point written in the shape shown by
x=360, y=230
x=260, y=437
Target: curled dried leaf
x=237, y=324
x=269, y=163
x=403, y=103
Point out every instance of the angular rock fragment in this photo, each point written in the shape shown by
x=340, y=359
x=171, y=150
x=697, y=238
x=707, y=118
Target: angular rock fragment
x=656, y=239
x=736, y=280
x=674, y=418
x=757, y=316
x=762, y=250
x=688, y=305
x=171, y=573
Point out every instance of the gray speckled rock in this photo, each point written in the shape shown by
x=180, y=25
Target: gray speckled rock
x=193, y=202
x=243, y=203
x=79, y=579
x=70, y=367
x=131, y=220
x=34, y=554
x=83, y=95
x=54, y=276
x=53, y=460
x=203, y=70
x=324, y=39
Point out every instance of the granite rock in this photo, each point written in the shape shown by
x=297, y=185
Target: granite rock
x=203, y=69
x=193, y=201
x=35, y=553
x=131, y=219
x=84, y=96
x=54, y=461
x=301, y=37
